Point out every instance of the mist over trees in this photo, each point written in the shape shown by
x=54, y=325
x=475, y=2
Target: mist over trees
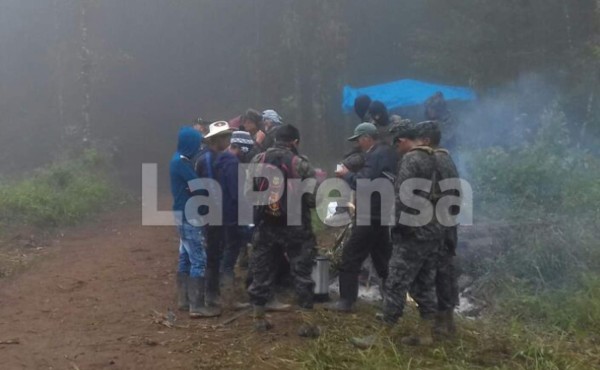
x=123, y=75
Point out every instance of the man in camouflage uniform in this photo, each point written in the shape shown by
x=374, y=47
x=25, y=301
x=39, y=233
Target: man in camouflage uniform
x=273, y=234
x=415, y=248
x=446, y=281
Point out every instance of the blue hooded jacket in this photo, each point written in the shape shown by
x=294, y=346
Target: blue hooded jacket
x=182, y=168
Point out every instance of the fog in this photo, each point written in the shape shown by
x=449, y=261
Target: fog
x=122, y=76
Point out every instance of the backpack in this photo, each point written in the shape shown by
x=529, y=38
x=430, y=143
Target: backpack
x=275, y=210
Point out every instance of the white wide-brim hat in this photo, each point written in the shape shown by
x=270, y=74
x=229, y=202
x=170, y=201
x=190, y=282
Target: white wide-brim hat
x=218, y=128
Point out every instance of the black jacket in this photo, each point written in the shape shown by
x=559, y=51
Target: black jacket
x=381, y=158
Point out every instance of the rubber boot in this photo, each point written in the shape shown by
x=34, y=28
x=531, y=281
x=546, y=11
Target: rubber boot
x=212, y=288
x=183, y=303
x=423, y=336
x=260, y=321
x=198, y=309
x=348, y=293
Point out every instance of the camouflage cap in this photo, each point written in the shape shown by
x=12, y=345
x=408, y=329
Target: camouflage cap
x=426, y=129
x=403, y=130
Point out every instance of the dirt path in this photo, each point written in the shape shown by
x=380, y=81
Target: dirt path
x=89, y=302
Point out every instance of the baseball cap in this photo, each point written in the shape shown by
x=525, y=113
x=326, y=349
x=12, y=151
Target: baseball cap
x=364, y=128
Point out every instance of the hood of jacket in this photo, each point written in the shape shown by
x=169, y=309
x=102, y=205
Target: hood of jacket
x=188, y=143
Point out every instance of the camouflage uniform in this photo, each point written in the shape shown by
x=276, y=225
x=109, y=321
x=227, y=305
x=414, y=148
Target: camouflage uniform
x=298, y=242
x=416, y=249
x=447, y=273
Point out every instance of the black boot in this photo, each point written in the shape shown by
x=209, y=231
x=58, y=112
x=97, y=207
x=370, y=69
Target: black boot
x=450, y=325
x=444, y=327
x=423, y=336
x=198, y=309
x=183, y=303
x=212, y=288
x=348, y=293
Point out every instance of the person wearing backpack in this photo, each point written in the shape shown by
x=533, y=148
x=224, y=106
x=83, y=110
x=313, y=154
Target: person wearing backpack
x=416, y=250
x=446, y=280
x=273, y=232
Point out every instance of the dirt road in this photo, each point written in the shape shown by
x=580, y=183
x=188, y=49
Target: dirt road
x=91, y=302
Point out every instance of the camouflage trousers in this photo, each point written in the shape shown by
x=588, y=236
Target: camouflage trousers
x=299, y=245
x=412, y=269
x=446, y=280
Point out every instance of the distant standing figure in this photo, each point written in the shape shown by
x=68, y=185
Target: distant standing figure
x=202, y=126
x=436, y=109
x=252, y=123
x=380, y=118
x=361, y=107
x=271, y=121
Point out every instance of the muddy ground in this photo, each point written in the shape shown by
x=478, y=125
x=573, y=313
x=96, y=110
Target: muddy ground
x=96, y=296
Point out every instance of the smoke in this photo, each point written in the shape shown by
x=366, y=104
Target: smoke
x=506, y=116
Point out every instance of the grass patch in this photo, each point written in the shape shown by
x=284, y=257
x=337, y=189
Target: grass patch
x=574, y=309
x=491, y=344
x=62, y=194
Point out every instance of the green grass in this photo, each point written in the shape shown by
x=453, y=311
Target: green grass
x=62, y=194
x=542, y=286
x=493, y=343
x=574, y=309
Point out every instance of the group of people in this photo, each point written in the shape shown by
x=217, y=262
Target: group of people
x=415, y=260
x=208, y=254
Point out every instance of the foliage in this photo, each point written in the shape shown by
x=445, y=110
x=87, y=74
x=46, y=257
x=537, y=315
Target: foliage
x=62, y=194
x=548, y=191
x=545, y=178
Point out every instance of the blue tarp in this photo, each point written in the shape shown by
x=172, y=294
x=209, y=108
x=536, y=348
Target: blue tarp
x=404, y=93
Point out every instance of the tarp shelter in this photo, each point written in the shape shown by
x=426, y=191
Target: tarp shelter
x=404, y=93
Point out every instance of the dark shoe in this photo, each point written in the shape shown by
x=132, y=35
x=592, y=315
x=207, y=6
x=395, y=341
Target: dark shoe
x=417, y=340
x=380, y=316
x=423, y=336
x=275, y=306
x=348, y=293
x=305, y=305
x=339, y=306
x=198, y=309
x=260, y=321
x=309, y=331
x=364, y=342
x=183, y=303
x=240, y=306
